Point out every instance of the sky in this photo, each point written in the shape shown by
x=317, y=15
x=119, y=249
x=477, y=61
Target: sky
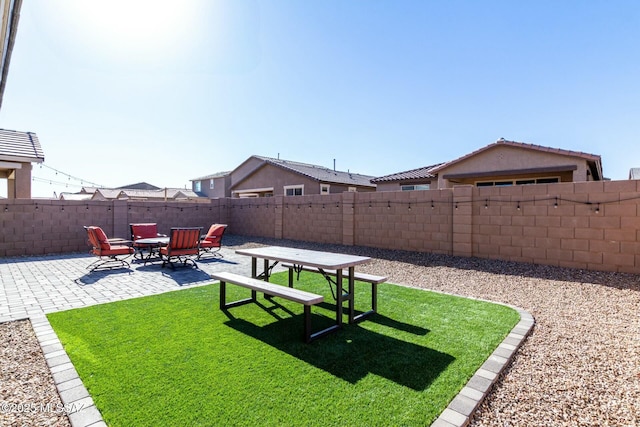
x=128, y=91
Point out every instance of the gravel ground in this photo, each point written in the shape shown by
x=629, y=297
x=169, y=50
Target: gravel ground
x=25, y=379
x=579, y=367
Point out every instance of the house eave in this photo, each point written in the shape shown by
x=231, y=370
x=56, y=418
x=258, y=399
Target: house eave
x=484, y=174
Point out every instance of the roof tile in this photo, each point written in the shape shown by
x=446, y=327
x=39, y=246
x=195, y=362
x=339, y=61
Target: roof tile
x=321, y=173
x=15, y=145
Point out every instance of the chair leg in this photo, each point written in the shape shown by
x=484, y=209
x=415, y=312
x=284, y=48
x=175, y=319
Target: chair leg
x=110, y=263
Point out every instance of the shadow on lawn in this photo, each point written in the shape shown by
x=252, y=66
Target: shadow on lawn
x=354, y=352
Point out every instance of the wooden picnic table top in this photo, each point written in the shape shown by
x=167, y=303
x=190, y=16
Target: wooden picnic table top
x=311, y=258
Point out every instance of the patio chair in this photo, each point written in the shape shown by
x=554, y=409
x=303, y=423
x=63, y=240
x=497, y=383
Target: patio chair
x=144, y=231
x=183, y=244
x=109, y=256
x=212, y=242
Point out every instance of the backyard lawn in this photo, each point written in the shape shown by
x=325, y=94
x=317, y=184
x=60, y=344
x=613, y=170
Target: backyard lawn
x=176, y=359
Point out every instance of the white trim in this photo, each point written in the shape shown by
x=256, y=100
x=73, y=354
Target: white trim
x=253, y=190
x=293, y=187
x=405, y=187
x=10, y=165
x=514, y=181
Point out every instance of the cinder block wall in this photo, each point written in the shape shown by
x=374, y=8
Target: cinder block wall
x=38, y=227
x=316, y=218
x=406, y=220
x=592, y=225
x=588, y=225
x=250, y=216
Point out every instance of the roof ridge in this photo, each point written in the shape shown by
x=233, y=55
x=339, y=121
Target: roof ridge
x=539, y=147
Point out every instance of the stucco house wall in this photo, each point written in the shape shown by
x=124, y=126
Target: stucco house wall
x=244, y=170
x=269, y=176
x=221, y=184
x=18, y=150
x=397, y=186
x=503, y=162
x=19, y=181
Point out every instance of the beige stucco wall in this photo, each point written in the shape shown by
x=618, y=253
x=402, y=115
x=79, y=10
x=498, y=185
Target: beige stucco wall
x=220, y=184
x=19, y=182
x=502, y=158
x=397, y=186
x=244, y=170
x=269, y=176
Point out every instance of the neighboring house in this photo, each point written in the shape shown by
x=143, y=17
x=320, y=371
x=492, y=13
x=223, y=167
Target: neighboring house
x=18, y=150
x=140, y=191
x=506, y=163
x=414, y=179
x=212, y=186
x=75, y=196
x=174, y=194
x=265, y=177
x=634, y=173
x=139, y=186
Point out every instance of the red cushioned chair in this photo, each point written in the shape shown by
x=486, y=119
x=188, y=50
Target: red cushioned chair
x=109, y=256
x=183, y=243
x=212, y=242
x=144, y=231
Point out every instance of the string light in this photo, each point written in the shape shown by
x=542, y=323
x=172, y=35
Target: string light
x=554, y=201
x=77, y=182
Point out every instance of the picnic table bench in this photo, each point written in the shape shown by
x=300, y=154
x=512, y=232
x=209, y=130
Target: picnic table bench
x=307, y=299
x=329, y=274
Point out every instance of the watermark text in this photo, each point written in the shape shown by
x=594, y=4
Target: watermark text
x=24, y=408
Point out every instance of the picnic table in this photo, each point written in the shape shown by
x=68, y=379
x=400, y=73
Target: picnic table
x=323, y=262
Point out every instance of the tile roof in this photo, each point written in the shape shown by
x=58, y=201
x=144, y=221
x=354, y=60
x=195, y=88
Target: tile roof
x=75, y=196
x=139, y=186
x=419, y=173
x=171, y=193
x=504, y=142
x=320, y=173
x=20, y=146
x=128, y=193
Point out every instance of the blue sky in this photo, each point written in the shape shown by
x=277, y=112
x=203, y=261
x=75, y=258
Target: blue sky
x=124, y=91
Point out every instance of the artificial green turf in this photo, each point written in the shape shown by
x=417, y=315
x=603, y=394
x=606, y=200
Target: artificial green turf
x=176, y=359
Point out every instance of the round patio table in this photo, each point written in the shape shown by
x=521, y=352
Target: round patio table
x=152, y=245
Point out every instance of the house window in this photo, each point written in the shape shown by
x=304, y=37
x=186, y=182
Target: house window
x=294, y=190
x=197, y=186
x=550, y=180
x=547, y=180
x=211, y=184
x=324, y=188
x=352, y=189
x=415, y=187
x=525, y=181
